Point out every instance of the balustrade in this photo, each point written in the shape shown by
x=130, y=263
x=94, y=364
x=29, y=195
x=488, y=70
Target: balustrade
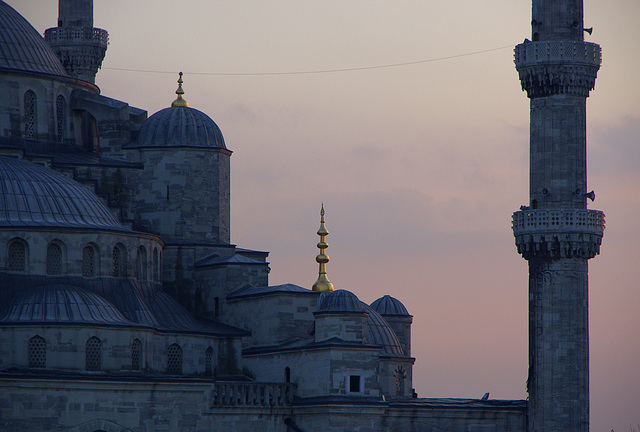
x=252, y=394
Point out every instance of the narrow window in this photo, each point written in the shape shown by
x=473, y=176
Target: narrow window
x=37, y=352
x=54, y=259
x=287, y=374
x=208, y=362
x=61, y=117
x=400, y=376
x=136, y=354
x=156, y=275
x=17, y=256
x=141, y=264
x=174, y=360
x=30, y=115
x=93, y=354
x=216, y=306
x=119, y=264
x=88, y=261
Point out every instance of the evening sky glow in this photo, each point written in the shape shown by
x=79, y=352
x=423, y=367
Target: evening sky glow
x=419, y=166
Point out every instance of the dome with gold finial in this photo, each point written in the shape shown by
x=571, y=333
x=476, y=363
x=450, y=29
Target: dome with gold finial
x=180, y=126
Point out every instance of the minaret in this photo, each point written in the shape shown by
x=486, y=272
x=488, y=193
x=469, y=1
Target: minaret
x=556, y=233
x=323, y=283
x=80, y=46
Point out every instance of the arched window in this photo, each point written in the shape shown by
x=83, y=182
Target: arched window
x=30, y=115
x=136, y=354
x=17, y=255
x=156, y=274
x=174, y=360
x=141, y=264
x=208, y=362
x=54, y=259
x=93, y=354
x=119, y=261
x=61, y=117
x=37, y=352
x=400, y=376
x=89, y=266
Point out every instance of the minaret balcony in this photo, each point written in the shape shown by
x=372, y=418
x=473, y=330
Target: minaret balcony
x=557, y=52
x=66, y=35
x=558, y=233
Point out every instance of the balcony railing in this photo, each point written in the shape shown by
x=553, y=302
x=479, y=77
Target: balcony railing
x=535, y=53
x=558, y=221
x=77, y=34
x=252, y=394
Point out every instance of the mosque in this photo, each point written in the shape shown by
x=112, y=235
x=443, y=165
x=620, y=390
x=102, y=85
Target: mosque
x=124, y=307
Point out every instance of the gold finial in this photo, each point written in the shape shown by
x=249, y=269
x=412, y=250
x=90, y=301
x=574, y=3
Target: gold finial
x=323, y=283
x=180, y=102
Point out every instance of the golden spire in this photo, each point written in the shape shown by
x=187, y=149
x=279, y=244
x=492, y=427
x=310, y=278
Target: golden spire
x=180, y=102
x=323, y=283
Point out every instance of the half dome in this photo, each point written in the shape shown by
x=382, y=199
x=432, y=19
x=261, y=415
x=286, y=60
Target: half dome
x=22, y=48
x=378, y=332
x=180, y=127
x=34, y=196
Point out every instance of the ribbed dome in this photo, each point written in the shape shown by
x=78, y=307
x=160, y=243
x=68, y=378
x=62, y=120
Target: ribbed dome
x=378, y=332
x=387, y=305
x=34, y=196
x=61, y=304
x=339, y=301
x=22, y=48
x=180, y=127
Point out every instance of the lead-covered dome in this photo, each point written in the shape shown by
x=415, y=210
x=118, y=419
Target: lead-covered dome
x=387, y=305
x=33, y=196
x=180, y=127
x=340, y=301
x=22, y=48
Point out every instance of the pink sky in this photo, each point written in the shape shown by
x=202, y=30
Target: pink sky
x=419, y=166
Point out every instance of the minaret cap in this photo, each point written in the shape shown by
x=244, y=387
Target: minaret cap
x=180, y=102
x=323, y=283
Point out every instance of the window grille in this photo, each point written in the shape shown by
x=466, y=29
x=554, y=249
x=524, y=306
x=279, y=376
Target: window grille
x=400, y=376
x=61, y=117
x=93, y=354
x=119, y=261
x=54, y=259
x=30, y=120
x=156, y=274
x=141, y=264
x=208, y=362
x=88, y=261
x=136, y=354
x=17, y=259
x=174, y=360
x=37, y=352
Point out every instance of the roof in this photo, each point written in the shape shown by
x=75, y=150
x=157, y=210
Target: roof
x=34, y=196
x=215, y=259
x=378, y=332
x=387, y=305
x=251, y=291
x=22, y=48
x=339, y=301
x=180, y=127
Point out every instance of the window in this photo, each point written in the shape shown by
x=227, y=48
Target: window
x=136, y=354
x=174, y=360
x=37, y=352
x=89, y=261
x=54, y=259
x=354, y=384
x=61, y=117
x=93, y=354
x=156, y=274
x=17, y=256
x=141, y=264
x=287, y=374
x=30, y=115
x=208, y=362
x=400, y=375
x=119, y=264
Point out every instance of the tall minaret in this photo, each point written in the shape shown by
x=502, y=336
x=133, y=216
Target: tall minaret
x=556, y=233
x=80, y=46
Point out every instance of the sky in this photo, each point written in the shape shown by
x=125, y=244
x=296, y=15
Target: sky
x=419, y=166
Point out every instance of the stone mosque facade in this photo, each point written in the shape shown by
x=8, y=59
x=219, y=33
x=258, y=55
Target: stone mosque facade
x=124, y=307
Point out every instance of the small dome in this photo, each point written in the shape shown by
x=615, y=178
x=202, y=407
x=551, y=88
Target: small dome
x=339, y=301
x=180, y=127
x=387, y=305
x=378, y=332
x=34, y=196
x=61, y=304
x=22, y=48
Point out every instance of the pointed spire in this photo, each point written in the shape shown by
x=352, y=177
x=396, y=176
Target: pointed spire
x=323, y=283
x=180, y=102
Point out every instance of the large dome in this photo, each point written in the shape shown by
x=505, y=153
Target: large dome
x=22, y=48
x=33, y=196
x=180, y=127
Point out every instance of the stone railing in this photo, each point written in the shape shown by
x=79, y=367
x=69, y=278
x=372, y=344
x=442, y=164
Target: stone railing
x=252, y=394
x=77, y=34
x=558, y=221
x=564, y=51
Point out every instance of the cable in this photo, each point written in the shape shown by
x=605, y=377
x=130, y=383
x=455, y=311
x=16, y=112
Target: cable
x=325, y=71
